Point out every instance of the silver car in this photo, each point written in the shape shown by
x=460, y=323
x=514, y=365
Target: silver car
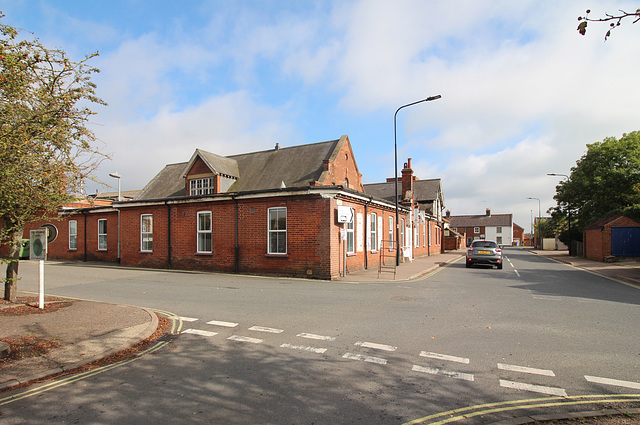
x=484, y=252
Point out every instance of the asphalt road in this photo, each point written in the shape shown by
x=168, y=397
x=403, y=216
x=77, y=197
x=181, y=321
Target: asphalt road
x=489, y=344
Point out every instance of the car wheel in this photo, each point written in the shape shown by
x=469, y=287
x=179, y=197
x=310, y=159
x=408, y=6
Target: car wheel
x=500, y=266
x=468, y=265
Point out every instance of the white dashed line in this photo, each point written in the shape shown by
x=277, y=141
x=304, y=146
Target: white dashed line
x=533, y=388
x=305, y=348
x=318, y=337
x=615, y=382
x=376, y=346
x=199, y=332
x=364, y=358
x=268, y=330
x=442, y=372
x=245, y=339
x=224, y=324
x=187, y=319
x=524, y=369
x=547, y=297
x=444, y=357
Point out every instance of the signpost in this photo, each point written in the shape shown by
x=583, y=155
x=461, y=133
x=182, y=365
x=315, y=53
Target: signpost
x=38, y=251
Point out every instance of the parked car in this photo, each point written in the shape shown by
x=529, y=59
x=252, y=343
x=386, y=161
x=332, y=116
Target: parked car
x=484, y=252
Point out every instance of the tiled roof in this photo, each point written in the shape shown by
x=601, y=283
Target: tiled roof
x=423, y=190
x=481, y=220
x=296, y=166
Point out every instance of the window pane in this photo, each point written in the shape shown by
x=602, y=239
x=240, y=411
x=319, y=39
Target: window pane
x=204, y=221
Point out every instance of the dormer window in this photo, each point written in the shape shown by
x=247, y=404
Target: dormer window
x=202, y=186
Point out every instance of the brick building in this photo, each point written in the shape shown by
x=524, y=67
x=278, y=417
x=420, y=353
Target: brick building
x=269, y=212
x=496, y=227
x=613, y=236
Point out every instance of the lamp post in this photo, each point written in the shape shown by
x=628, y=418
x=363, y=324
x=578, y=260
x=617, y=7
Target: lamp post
x=118, y=177
x=395, y=141
x=539, y=223
x=568, y=208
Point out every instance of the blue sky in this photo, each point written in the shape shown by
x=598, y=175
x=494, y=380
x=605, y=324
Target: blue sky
x=522, y=91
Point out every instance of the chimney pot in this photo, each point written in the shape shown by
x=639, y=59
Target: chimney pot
x=488, y=212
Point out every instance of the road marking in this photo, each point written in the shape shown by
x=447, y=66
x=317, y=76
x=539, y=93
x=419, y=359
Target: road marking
x=199, y=332
x=524, y=369
x=617, y=383
x=376, y=346
x=547, y=297
x=314, y=336
x=364, y=358
x=263, y=329
x=442, y=372
x=305, y=348
x=187, y=319
x=533, y=388
x=225, y=324
x=245, y=339
x=444, y=357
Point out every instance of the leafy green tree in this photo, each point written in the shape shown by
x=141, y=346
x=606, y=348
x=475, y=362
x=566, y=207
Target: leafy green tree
x=614, y=20
x=46, y=147
x=605, y=181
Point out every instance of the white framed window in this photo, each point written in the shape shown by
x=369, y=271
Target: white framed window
x=402, y=239
x=391, y=231
x=146, y=232
x=373, y=231
x=499, y=229
x=202, y=186
x=424, y=233
x=102, y=234
x=204, y=232
x=476, y=230
x=73, y=234
x=499, y=240
x=277, y=230
x=351, y=245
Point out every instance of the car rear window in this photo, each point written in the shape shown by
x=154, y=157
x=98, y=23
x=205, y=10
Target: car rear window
x=484, y=244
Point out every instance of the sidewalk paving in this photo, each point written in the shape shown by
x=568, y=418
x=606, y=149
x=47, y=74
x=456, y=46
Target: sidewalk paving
x=86, y=331
x=89, y=331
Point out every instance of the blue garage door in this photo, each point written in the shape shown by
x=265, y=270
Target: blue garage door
x=625, y=241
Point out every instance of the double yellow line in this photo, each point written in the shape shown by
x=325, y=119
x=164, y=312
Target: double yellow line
x=176, y=327
x=504, y=406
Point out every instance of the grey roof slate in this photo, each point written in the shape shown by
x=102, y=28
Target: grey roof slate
x=168, y=183
x=296, y=166
x=481, y=220
x=423, y=190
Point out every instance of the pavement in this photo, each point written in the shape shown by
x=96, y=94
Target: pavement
x=89, y=330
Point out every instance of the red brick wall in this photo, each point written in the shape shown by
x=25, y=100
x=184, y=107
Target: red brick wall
x=597, y=242
x=344, y=167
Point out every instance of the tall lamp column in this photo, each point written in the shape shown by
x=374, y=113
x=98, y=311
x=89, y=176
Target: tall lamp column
x=539, y=223
x=395, y=140
x=118, y=177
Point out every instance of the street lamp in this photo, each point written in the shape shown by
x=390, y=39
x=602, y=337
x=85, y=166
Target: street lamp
x=568, y=207
x=118, y=176
x=539, y=222
x=395, y=141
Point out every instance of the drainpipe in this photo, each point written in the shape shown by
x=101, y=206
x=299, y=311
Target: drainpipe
x=168, y=234
x=367, y=236
x=84, y=248
x=237, y=259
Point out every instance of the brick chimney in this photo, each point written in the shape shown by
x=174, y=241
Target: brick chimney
x=407, y=179
x=488, y=212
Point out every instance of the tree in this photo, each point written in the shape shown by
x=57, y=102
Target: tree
x=617, y=20
x=605, y=181
x=46, y=148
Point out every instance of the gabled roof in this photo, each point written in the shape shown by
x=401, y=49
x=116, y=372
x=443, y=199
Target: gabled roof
x=216, y=163
x=605, y=221
x=423, y=190
x=296, y=166
x=481, y=220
